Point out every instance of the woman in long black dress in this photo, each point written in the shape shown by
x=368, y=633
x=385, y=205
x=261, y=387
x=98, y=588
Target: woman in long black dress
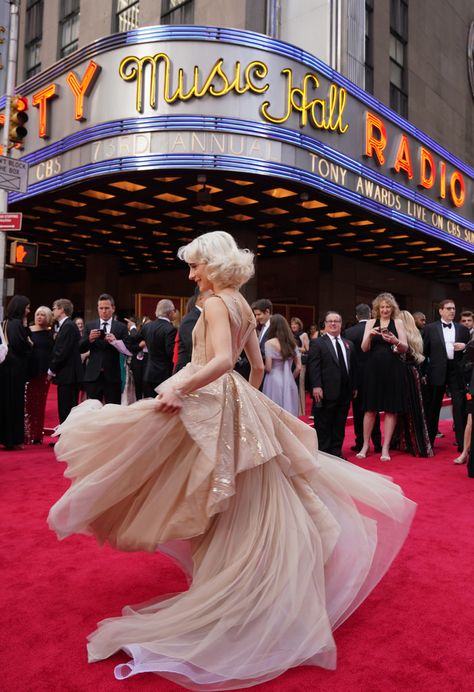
x=13, y=373
x=38, y=384
x=384, y=338
x=412, y=423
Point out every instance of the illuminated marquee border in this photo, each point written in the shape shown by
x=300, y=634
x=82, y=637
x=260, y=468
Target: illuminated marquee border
x=241, y=38
x=227, y=126
x=247, y=165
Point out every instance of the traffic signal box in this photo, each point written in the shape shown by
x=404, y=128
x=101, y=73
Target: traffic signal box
x=24, y=254
x=18, y=119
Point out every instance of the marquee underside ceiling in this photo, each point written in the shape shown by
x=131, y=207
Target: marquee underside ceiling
x=145, y=217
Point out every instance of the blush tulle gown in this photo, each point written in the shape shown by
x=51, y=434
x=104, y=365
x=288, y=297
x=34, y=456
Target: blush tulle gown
x=280, y=543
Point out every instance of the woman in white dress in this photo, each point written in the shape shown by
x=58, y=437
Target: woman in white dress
x=280, y=544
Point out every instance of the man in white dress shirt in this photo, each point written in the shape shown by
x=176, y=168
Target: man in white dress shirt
x=444, y=342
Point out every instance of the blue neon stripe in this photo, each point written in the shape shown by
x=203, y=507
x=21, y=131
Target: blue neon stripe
x=233, y=126
x=235, y=37
x=234, y=163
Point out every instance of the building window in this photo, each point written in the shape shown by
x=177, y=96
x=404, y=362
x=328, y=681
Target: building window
x=126, y=16
x=398, y=45
x=68, y=27
x=177, y=11
x=33, y=36
x=369, y=46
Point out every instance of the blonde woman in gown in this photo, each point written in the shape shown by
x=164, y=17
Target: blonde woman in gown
x=280, y=544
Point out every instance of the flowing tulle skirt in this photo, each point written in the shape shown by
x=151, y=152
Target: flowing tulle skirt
x=280, y=543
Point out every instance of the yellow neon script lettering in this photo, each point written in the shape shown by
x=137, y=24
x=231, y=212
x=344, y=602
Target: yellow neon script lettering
x=322, y=114
x=217, y=83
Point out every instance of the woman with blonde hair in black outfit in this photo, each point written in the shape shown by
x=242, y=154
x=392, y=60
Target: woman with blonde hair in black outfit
x=384, y=338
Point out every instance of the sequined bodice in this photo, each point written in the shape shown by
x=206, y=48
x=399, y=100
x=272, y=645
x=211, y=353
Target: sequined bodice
x=242, y=322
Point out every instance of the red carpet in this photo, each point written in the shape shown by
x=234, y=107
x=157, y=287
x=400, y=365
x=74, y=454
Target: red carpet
x=413, y=633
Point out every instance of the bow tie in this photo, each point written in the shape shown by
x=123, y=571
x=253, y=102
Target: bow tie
x=447, y=325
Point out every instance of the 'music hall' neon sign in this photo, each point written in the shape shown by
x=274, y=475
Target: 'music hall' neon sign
x=415, y=162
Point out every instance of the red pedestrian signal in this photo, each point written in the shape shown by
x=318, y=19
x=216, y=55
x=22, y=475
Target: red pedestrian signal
x=24, y=254
x=18, y=119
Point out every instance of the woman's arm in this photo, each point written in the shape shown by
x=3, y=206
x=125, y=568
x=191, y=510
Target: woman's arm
x=401, y=342
x=305, y=342
x=268, y=359
x=365, y=345
x=297, y=362
x=254, y=357
x=218, y=329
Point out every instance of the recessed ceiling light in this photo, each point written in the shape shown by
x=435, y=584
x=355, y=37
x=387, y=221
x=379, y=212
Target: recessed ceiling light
x=168, y=197
x=275, y=211
x=111, y=212
x=239, y=182
x=96, y=194
x=128, y=186
x=312, y=204
x=280, y=192
x=207, y=208
x=242, y=201
x=139, y=205
x=68, y=203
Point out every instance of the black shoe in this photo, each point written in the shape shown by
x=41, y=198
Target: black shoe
x=355, y=448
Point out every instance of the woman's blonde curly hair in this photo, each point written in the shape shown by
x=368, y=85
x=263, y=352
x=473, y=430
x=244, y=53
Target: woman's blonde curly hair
x=227, y=264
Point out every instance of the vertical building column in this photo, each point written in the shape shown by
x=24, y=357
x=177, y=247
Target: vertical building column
x=102, y=276
x=246, y=238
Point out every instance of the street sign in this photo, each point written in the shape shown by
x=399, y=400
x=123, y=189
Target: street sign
x=13, y=174
x=10, y=221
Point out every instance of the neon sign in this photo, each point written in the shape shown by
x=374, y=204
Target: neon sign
x=318, y=112
x=376, y=141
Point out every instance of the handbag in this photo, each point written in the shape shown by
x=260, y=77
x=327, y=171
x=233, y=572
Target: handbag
x=4, y=344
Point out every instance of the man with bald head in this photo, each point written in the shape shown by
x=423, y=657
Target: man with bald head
x=159, y=337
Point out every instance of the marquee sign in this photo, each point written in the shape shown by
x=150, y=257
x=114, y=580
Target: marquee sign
x=162, y=99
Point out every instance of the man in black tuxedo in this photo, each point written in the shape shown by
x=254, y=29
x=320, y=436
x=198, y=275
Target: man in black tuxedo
x=444, y=342
x=159, y=337
x=104, y=338
x=262, y=309
x=65, y=366
x=332, y=376
x=355, y=334
x=185, y=331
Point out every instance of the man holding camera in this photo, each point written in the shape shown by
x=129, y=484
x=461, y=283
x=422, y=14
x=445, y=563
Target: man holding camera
x=103, y=338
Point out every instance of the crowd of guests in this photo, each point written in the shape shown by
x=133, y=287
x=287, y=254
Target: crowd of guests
x=390, y=361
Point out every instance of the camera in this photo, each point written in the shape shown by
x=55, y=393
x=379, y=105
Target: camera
x=384, y=330
x=102, y=334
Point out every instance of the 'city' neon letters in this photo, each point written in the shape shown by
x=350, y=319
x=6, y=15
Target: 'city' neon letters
x=81, y=89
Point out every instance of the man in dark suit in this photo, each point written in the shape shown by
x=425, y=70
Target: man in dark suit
x=444, y=342
x=185, y=331
x=355, y=334
x=262, y=309
x=331, y=367
x=65, y=366
x=159, y=337
x=104, y=338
